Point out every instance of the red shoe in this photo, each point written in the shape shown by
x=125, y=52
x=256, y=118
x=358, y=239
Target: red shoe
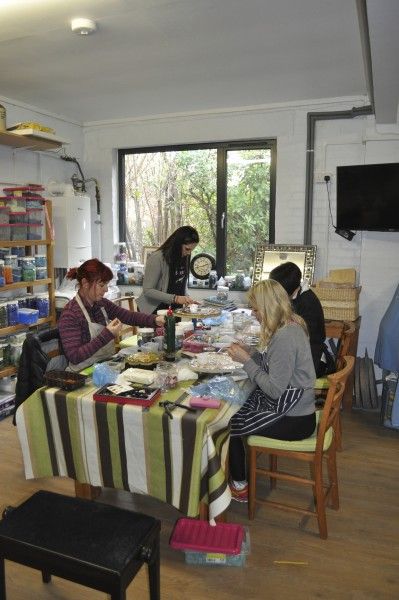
x=239, y=495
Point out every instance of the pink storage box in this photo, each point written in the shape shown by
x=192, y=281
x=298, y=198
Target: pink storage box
x=200, y=536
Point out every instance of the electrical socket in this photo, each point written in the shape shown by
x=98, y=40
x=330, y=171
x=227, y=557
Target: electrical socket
x=319, y=177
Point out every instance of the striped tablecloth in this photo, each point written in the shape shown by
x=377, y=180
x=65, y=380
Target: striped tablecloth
x=180, y=460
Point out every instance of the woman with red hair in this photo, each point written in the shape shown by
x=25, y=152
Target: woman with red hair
x=89, y=322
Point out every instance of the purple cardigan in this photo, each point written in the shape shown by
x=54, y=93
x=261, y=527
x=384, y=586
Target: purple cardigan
x=74, y=329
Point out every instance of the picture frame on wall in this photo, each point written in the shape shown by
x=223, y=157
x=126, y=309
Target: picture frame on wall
x=269, y=256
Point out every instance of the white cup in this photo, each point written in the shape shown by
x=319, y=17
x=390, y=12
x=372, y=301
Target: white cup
x=193, y=308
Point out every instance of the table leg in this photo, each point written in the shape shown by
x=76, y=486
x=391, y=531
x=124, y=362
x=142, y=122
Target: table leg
x=85, y=490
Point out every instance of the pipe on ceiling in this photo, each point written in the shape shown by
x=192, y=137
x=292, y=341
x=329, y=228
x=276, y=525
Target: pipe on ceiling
x=312, y=118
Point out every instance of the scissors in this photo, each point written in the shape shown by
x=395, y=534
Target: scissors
x=168, y=405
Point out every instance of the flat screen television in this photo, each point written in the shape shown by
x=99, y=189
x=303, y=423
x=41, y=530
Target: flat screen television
x=368, y=197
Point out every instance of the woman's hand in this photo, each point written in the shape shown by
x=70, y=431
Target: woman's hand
x=115, y=327
x=185, y=300
x=160, y=320
x=238, y=352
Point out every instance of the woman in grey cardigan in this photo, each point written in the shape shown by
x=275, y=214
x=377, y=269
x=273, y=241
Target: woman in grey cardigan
x=166, y=272
x=281, y=404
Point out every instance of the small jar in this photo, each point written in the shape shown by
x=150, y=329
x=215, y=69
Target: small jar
x=165, y=376
x=2, y=278
x=11, y=260
x=40, y=260
x=28, y=268
x=144, y=335
x=43, y=305
x=8, y=274
x=41, y=272
x=3, y=315
x=12, y=312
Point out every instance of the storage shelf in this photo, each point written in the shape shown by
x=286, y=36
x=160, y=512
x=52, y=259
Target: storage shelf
x=48, y=283
x=8, y=371
x=29, y=142
x=24, y=284
x=20, y=243
x=16, y=328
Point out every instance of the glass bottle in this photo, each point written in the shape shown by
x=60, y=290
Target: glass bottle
x=170, y=336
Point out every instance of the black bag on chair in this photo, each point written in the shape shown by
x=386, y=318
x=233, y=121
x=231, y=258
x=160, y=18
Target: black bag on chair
x=327, y=363
x=33, y=364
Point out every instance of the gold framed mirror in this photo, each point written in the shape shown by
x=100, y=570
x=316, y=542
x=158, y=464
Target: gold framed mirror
x=269, y=256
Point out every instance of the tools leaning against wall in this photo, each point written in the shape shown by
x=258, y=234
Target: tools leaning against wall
x=365, y=392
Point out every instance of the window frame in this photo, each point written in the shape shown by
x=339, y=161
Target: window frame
x=222, y=149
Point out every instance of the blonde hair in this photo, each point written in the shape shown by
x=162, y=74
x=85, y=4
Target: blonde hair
x=273, y=304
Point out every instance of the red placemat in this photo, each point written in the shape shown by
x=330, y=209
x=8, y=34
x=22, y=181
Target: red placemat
x=200, y=536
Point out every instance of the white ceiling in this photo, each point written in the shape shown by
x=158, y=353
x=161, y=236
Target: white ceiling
x=166, y=56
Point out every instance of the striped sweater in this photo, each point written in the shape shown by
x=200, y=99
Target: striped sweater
x=74, y=330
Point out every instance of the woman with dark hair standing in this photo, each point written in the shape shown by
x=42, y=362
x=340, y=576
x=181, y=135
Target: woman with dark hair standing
x=89, y=322
x=166, y=272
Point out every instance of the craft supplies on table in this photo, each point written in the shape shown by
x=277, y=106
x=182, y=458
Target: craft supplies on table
x=140, y=395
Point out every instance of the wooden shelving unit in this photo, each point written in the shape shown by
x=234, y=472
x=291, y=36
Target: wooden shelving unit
x=32, y=247
x=29, y=142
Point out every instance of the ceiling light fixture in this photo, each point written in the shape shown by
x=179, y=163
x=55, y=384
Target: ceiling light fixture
x=83, y=26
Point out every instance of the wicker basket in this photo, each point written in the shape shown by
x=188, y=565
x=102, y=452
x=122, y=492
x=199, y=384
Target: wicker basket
x=340, y=311
x=342, y=294
x=67, y=380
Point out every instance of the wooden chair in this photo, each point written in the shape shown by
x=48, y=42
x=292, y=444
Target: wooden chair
x=132, y=306
x=319, y=447
x=348, y=331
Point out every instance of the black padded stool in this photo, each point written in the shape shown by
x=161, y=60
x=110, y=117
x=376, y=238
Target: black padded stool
x=93, y=544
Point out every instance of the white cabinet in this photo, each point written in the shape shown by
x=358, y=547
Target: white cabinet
x=72, y=227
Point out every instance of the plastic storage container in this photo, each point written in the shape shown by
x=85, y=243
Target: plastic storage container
x=3, y=315
x=43, y=305
x=11, y=260
x=18, y=231
x=2, y=277
x=12, y=312
x=18, y=217
x=35, y=232
x=16, y=274
x=40, y=260
x=4, y=215
x=28, y=268
x=41, y=272
x=204, y=544
x=4, y=231
x=220, y=558
x=28, y=316
x=35, y=216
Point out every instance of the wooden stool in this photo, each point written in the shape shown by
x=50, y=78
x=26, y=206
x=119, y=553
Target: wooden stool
x=94, y=544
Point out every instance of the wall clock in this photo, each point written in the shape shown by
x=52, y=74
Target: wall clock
x=201, y=265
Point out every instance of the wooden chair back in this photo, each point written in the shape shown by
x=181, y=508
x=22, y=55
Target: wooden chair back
x=314, y=450
x=330, y=416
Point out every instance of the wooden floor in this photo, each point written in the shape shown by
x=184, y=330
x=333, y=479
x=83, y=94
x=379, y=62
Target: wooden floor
x=359, y=561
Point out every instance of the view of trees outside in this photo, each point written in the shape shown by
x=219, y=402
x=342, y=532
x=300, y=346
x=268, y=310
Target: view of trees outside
x=164, y=190
x=248, y=206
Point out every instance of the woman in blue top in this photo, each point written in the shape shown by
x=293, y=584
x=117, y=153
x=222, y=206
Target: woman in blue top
x=281, y=404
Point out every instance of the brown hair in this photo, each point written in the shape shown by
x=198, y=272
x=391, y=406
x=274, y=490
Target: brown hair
x=92, y=270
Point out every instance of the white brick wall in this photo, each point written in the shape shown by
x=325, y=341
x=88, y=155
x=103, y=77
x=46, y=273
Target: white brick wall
x=338, y=142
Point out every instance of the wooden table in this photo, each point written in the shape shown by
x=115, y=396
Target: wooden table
x=179, y=461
